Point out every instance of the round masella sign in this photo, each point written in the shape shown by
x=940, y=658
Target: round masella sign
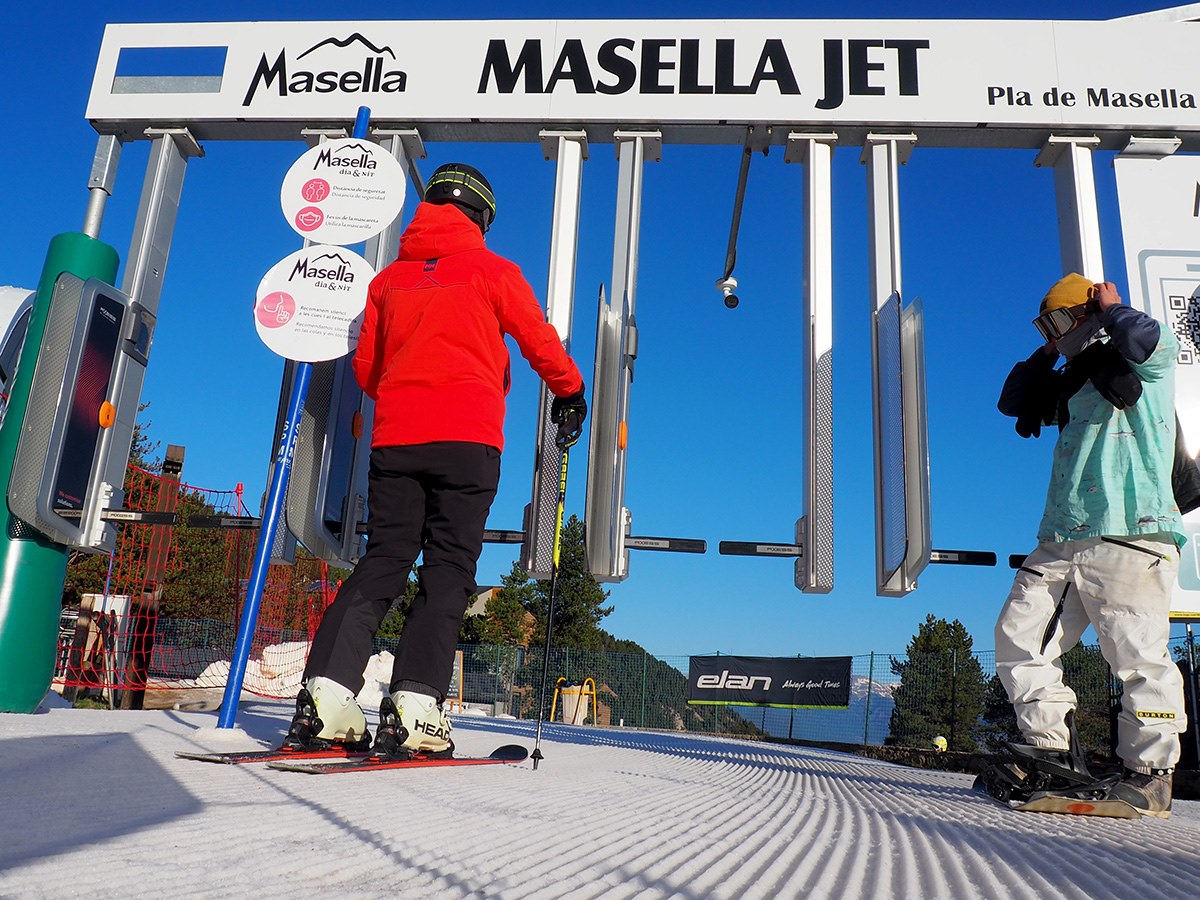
x=343, y=191
x=309, y=306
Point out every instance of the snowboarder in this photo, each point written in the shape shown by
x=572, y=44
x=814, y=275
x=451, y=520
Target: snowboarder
x=432, y=356
x=1108, y=544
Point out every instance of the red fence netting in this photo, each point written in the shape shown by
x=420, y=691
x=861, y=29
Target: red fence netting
x=163, y=611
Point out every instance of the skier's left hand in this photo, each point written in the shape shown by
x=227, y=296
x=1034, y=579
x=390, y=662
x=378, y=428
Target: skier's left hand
x=568, y=413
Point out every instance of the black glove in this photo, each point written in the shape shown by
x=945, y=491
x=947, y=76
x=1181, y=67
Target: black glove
x=568, y=413
x=1030, y=393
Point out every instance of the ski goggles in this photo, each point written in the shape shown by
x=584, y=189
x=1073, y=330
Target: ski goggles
x=1054, y=324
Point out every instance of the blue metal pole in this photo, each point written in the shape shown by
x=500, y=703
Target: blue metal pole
x=270, y=523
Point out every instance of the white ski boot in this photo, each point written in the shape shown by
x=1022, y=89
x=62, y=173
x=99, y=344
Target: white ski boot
x=411, y=723
x=327, y=715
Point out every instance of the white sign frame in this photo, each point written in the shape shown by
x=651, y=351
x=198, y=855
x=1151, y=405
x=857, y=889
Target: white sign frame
x=991, y=83
x=1160, y=222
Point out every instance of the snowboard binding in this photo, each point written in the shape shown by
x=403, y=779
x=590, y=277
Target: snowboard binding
x=1021, y=772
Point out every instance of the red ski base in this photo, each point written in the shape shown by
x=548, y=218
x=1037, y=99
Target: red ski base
x=509, y=753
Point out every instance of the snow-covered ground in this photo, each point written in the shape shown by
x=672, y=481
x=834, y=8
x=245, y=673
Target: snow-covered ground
x=94, y=803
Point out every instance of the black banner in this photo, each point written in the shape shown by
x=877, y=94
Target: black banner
x=815, y=682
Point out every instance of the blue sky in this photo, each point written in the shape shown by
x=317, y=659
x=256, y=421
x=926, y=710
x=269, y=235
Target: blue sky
x=715, y=429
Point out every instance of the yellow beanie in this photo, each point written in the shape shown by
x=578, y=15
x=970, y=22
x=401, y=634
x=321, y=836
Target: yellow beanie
x=1072, y=290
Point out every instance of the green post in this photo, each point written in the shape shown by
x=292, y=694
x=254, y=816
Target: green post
x=32, y=567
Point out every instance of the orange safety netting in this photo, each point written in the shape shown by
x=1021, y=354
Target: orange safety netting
x=163, y=611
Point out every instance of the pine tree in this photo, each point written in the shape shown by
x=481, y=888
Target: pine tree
x=578, y=602
x=998, y=723
x=1088, y=675
x=941, y=688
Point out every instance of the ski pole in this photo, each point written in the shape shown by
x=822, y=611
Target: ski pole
x=536, y=756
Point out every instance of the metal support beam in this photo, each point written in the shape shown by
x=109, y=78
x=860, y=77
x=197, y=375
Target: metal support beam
x=814, y=530
x=412, y=149
x=569, y=149
x=349, y=406
x=145, y=268
x=897, y=361
x=146, y=263
x=382, y=249
x=101, y=181
x=608, y=519
x=883, y=154
x=1075, y=193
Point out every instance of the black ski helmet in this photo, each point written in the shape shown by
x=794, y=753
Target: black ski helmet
x=463, y=186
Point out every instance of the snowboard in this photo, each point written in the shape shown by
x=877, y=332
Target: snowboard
x=1073, y=806
x=1049, y=802
x=509, y=753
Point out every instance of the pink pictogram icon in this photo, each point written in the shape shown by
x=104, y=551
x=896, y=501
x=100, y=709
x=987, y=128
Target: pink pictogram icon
x=309, y=219
x=315, y=190
x=275, y=309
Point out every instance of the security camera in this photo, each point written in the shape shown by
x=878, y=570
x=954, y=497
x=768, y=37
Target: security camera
x=726, y=286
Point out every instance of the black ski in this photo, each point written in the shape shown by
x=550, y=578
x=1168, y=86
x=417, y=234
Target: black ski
x=509, y=753
x=280, y=754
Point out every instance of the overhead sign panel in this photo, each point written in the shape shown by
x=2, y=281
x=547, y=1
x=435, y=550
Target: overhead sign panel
x=947, y=74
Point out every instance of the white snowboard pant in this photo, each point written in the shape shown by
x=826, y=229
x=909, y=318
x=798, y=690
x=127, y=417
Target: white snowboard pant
x=1122, y=587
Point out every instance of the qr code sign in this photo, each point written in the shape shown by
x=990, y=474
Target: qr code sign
x=1186, y=314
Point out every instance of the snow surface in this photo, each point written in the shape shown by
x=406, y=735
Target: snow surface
x=95, y=803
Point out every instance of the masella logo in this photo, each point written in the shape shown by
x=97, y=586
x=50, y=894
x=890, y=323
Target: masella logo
x=349, y=156
x=326, y=268
x=351, y=65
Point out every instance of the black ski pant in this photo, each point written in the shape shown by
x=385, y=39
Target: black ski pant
x=425, y=499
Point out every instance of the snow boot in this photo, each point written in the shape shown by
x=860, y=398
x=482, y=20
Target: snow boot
x=411, y=723
x=327, y=715
x=1149, y=794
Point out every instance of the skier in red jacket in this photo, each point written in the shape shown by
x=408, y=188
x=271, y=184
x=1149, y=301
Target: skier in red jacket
x=432, y=356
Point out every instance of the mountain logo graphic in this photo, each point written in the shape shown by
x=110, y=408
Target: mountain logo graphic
x=346, y=42
x=352, y=65
x=337, y=257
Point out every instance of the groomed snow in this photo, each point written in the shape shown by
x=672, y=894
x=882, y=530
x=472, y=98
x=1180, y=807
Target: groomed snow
x=95, y=804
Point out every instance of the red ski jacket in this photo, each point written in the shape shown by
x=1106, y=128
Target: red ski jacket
x=432, y=354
